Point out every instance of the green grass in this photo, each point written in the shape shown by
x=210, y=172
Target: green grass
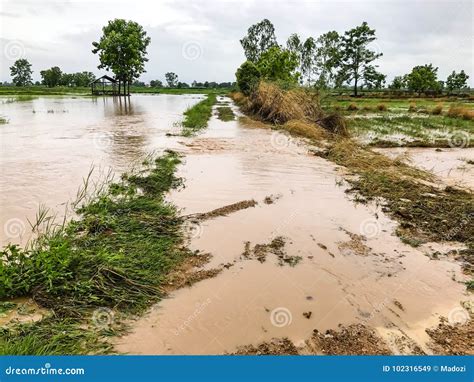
x=197, y=116
x=3, y=120
x=225, y=113
x=116, y=257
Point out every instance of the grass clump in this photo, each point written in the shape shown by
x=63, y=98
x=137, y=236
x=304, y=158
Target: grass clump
x=460, y=112
x=3, y=120
x=225, y=113
x=412, y=108
x=382, y=107
x=115, y=257
x=352, y=107
x=196, y=117
x=437, y=110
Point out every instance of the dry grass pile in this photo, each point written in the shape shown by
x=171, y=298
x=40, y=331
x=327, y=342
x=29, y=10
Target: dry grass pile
x=437, y=110
x=305, y=129
x=272, y=104
x=352, y=107
x=460, y=112
x=382, y=107
x=412, y=108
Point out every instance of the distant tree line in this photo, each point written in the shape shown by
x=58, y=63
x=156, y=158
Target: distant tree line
x=21, y=74
x=329, y=61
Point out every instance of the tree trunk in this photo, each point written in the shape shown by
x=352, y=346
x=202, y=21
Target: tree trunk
x=355, y=86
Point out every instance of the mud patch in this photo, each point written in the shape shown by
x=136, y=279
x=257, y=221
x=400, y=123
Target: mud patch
x=270, y=199
x=188, y=273
x=275, y=247
x=355, y=339
x=452, y=339
x=355, y=246
x=224, y=211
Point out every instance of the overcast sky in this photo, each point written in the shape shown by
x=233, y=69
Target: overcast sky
x=199, y=40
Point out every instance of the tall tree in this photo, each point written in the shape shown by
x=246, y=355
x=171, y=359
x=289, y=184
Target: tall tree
x=260, y=37
x=51, y=77
x=398, y=83
x=122, y=49
x=277, y=64
x=356, y=55
x=373, y=79
x=328, y=58
x=423, y=78
x=307, y=60
x=171, y=79
x=21, y=72
x=456, y=81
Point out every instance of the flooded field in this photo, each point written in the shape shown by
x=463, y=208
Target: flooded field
x=303, y=257
x=50, y=144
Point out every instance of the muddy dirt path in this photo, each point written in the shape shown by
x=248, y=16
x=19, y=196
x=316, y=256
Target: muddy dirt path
x=305, y=257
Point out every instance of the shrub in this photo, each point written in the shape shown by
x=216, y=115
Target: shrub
x=437, y=110
x=352, y=107
x=248, y=77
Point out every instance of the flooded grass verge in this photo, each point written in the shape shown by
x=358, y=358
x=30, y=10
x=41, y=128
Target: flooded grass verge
x=225, y=113
x=112, y=261
x=196, y=117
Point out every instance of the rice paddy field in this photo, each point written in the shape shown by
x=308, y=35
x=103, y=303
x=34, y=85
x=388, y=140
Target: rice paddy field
x=422, y=122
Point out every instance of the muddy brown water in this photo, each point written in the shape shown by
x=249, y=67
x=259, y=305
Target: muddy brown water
x=50, y=144
x=454, y=166
x=353, y=268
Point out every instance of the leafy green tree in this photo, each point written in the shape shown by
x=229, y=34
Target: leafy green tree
x=21, y=72
x=328, y=58
x=122, y=49
x=182, y=85
x=156, y=84
x=260, y=37
x=277, y=64
x=304, y=53
x=67, y=79
x=248, y=77
x=356, y=55
x=171, y=79
x=373, y=79
x=456, y=81
x=398, y=83
x=422, y=79
x=51, y=77
x=83, y=79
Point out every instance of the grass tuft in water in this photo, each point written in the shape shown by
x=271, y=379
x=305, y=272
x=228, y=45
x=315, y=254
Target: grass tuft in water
x=196, y=117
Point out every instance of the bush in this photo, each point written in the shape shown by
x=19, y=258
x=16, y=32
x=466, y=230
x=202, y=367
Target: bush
x=248, y=77
x=437, y=110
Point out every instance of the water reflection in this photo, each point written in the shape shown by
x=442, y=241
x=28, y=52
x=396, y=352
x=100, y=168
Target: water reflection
x=49, y=145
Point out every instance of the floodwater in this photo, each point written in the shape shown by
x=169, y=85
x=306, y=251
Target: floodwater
x=353, y=268
x=50, y=144
x=454, y=166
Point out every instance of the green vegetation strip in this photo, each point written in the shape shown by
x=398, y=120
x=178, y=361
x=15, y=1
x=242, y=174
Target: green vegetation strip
x=196, y=117
x=115, y=257
x=225, y=113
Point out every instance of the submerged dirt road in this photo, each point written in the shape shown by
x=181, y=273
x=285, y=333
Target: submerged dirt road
x=304, y=257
